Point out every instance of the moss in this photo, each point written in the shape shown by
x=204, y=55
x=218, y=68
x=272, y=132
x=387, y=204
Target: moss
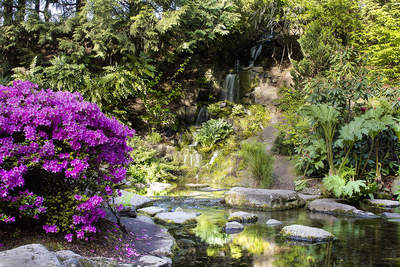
x=54, y=245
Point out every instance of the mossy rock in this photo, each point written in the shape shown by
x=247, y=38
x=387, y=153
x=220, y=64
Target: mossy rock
x=263, y=199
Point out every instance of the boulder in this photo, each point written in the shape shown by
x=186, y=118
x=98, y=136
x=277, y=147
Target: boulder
x=151, y=237
x=382, y=203
x=178, y=217
x=28, y=256
x=307, y=197
x=306, y=233
x=37, y=255
x=263, y=199
x=152, y=261
x=131, y=202
x=233, y=227
x=273, y=222
x=151, y=211
x=332, y=206
x=157, y=187
x=243, y=217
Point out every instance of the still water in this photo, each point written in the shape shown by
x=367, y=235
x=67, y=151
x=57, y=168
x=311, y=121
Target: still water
x=360, y=242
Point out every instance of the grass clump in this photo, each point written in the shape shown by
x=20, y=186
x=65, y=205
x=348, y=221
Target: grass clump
x=260, y=163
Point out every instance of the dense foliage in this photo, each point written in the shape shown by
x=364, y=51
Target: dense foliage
x=113, y=52
x=60, y=159
x=343, y=118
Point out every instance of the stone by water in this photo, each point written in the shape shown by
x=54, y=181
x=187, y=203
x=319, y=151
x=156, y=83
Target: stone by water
x=359, y=241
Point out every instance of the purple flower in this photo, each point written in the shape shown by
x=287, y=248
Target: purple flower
x=108, y=190
x=120, y=207
x=68, y=237
x=63, y=135
x=80, y=234
x=50, y=228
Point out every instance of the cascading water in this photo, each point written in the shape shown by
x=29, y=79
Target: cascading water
x=231, y=91
x=231, y=88
x=255, y=52
x=191, y=157
x=202, y=116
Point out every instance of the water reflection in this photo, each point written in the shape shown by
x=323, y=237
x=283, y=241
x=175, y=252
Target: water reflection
x=360, y=242
x=254, y=240
x=209, y=232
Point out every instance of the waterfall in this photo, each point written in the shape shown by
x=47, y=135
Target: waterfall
x=202, y=116
x=191, y=158
x=214, y=156
x=255, y=52
x=231, y=88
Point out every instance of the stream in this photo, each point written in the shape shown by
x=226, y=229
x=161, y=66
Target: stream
x=360, y=242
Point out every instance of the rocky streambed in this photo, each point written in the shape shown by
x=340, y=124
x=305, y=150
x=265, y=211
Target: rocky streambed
x=249, y=227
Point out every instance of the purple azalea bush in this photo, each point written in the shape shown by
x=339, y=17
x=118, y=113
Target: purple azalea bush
x=57, y=148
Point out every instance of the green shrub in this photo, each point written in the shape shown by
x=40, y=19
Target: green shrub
x=213, y=131
x=221, y=109
x=154, y=138
x=255, y=121
x=259, y=161
x=148, y=166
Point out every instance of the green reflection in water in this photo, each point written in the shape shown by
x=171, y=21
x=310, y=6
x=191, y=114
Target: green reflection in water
x=307, y=255
x=209, y=232
x=253, y=239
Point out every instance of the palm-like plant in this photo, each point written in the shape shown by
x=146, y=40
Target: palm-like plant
x=325, y=117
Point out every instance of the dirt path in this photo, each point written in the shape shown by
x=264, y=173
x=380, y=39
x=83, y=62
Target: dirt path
x=266, y=93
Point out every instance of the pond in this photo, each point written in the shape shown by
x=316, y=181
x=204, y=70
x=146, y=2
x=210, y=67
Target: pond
x=360, y=242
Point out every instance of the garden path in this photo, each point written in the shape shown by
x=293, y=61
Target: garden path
x=267, y=94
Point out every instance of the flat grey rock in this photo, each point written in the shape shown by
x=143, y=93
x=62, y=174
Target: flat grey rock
x=307, y=197
x=331, y=206
x=129, y=199
x=383, y=203
x=178, y=217
x=150, y=237
x=273, y=222
x=152, y=261
x=28, y=256
x=306, y=233
x=242, y=217
x=151, y=210
x=157, y=187
x=389, y=215
x=233, y=227
x=263, y=199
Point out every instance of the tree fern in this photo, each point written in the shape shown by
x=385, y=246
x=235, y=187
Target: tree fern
x=326, y=117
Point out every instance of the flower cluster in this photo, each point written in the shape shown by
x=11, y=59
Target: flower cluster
x=62, y=135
